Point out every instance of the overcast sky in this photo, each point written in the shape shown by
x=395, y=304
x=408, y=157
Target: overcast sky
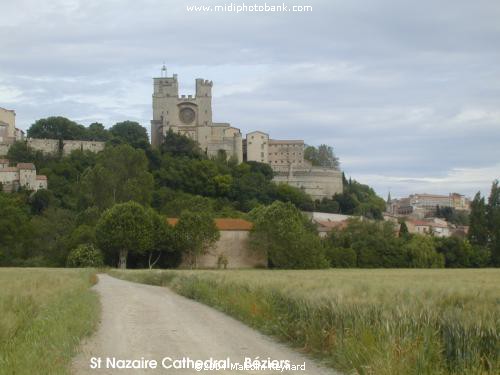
x=407, y=92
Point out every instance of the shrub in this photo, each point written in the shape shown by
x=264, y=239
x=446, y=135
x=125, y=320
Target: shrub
x=85, y=256
x=287, y=237
x=422, y=253
x=342, y=257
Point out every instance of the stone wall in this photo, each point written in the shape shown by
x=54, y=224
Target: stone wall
x=4, y=149
x=316, y=181
x=93, y=146
x=235, y=246
x=51, y=146
x=47, y=146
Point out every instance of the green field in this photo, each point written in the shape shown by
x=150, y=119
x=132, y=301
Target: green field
x=361, y=321
x=43, y=315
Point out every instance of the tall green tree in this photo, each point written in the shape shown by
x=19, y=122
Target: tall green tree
x=97, y=132
x=14, y=228
x=56, y=127
x=196, y=232
x=287, y=237
x=130, y=132
x=179, y=145
x=323, y=156
x=162, y=238
x=403, y=230
x=50, y=237
x=478, y=229
x=125, y=228
x=120, y=175
x=493, y=219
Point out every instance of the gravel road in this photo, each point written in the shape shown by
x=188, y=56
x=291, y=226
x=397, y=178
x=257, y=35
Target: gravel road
x=143, y=321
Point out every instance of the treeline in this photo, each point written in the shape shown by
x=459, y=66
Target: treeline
x=59, y=226
x=41, y=229
x=291, y=241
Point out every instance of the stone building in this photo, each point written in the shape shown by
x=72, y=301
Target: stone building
x=233, y=246
x=286, y=158
x=422, y=205
x=22, y=175
x=7, y=126
x=434, y=226
x=326, y=222
x=191, y=116
x=8, y=131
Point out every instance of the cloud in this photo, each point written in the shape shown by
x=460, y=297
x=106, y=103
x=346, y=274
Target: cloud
x=407, y=93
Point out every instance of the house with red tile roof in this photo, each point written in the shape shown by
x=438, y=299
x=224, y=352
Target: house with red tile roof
x=233, y=246
x=23, y=175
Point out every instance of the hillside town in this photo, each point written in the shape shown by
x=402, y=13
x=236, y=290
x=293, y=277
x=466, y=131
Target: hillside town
x=191, y=116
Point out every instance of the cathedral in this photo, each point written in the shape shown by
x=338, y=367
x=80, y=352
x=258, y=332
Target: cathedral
x=191, y=116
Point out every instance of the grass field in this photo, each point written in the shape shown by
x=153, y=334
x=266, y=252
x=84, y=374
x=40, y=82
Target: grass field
x=43, y=315
x=361, y=321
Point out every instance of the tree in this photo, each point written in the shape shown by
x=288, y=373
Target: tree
x=299, y=198
x=180, y=145
x=50, y=234
x=97, y=132
x=162, y=238
x=478, y=230
x=82, y=235
x=14, y=229
x=359, y=199
x=56, y=128
x=375, y=243
x=327, y=205
x=85, y=256
x=130, y=132
x=341, y=257
x=403, y=230
x=457, y=252
x=493, y=220
x=125, y=228
x=20, y=152
x=322, y=156
x=120, y=175
x=40, y=201
x=421, y=253
x=196, y=232
x=286, y=236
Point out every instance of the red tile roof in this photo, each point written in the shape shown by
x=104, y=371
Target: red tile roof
x=223, y=224
x=41, y=177
x=26, y=166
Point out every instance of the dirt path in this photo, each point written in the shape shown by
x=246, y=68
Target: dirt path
x=153, y=322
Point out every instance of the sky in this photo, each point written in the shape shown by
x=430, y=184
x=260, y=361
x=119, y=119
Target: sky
x=407, y=93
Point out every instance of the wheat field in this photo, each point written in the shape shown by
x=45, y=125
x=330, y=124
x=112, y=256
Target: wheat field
x=43, y=315
x=361, y=321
